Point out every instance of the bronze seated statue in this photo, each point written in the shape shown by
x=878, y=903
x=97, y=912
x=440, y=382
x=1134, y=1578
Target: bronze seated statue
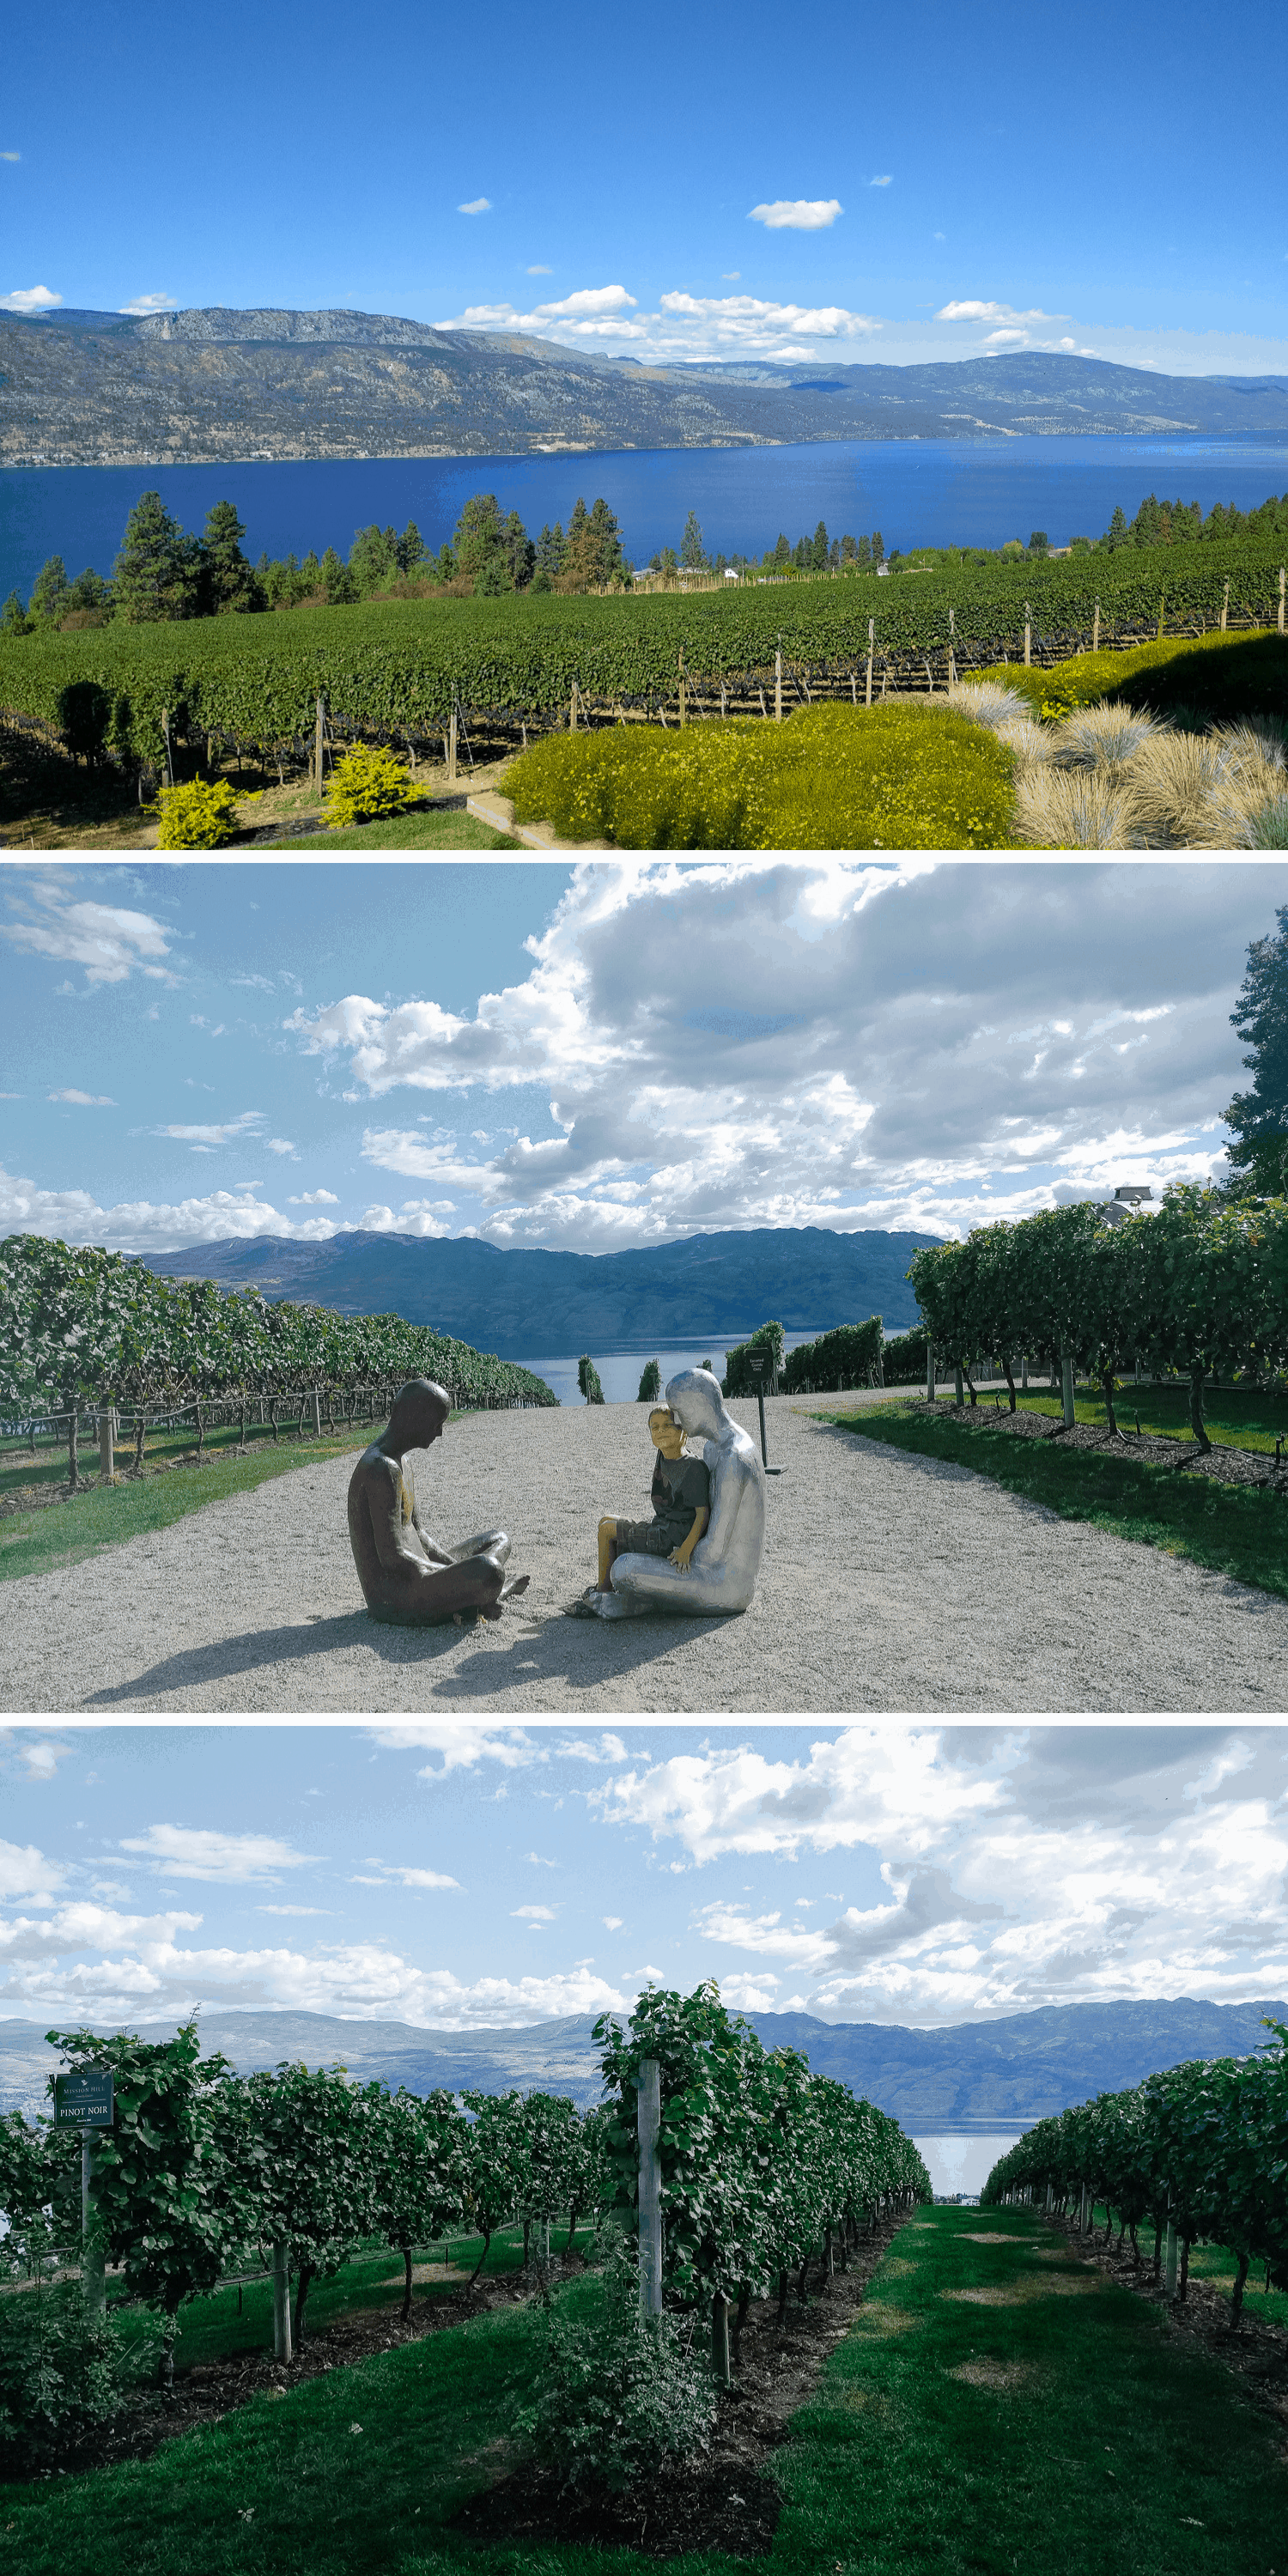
x=406, y=1577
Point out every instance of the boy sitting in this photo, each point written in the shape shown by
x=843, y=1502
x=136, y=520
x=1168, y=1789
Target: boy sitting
x=681, y=1498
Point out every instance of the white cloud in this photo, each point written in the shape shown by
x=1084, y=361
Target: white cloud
x=476, y=206
x=292, y=1909
x=534, y=1913
x=746, y=320
x=155, y=303
x=228, y=1860
x=104, y=938
x=85, y=1099
x=613, y=1922
x=427, y=1218
x=869, y=1074
x=279, y=1145
x=223, y=1134
x=28, y=299
x=684, y=327
x=974, y=311
x=10, y=156
x=315, y=1198
x=145, y=1225
x=397, y=1872
x=41, y=1754
x=1020, y=1866
x=884, y=182
x=797, y=214
x=539, y=269
x=26, y=1873
x=461, y=1746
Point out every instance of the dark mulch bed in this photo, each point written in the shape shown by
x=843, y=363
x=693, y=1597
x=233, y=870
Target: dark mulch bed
x=1225, y=1464
x=728, y=2502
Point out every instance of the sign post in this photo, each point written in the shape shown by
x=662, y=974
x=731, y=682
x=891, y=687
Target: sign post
x=84, y=2101
x=648, y=2113
x=758, y=1362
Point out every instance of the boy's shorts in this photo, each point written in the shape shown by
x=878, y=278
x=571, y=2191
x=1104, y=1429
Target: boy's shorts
x=648, y=1538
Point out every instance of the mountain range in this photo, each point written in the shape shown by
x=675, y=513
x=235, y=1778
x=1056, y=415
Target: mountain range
x=715, y=1287
x=968, y=2080
x=214, y=385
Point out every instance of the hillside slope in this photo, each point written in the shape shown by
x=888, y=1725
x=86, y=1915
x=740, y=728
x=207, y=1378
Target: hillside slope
x=711, y=1286
x=213, y=384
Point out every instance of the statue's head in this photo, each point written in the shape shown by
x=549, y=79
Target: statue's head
x=665, y=1432
x=420, y=1410
x=697, y=1403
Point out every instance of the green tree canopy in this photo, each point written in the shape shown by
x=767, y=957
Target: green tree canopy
x=228, y=584
x=1259, y=1117
x=692, y=551
x=50, y=598
x=158, y=570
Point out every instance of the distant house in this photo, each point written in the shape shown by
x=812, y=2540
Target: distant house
x=883, y=572
x=731, y=573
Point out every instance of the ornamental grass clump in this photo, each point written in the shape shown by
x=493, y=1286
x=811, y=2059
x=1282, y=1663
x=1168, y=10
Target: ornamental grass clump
x=366, y=785
x=622, y=2396
x=198, y=816
x=904, y=776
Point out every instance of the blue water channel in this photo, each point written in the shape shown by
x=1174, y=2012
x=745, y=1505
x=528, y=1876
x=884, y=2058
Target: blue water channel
x=916, y=491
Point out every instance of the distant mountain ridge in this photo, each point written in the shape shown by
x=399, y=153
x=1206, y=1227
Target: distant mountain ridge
x=216, y=384
x=714, y=1287
x=969, y=2079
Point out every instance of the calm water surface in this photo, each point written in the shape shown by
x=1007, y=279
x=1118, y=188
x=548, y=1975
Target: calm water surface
x=916, y=491
x=620, y=1373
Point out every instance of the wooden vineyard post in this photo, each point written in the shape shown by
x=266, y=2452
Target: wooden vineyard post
x=682, y=684
x=319, y=739
x=872, y=629
x=572, y=709
x=1225, y=606
x=317, y=1412
x=649, y=2119
x=778, y=683
x=1283, y=572
x=1066, y=1390
x=1162, y=602
x=1024, y=1372
x=930, y=1373
x=169, y=756
x=451, y=746
x=1028, y=635
x=952, y=638
x=720, y=2338
x=93, y=2273
x=281, y=2303
x=1095, y=629
x=107, y=1464
x=1170, y=2276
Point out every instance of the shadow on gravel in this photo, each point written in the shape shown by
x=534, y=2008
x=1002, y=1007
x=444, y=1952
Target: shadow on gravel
x=583, y=1653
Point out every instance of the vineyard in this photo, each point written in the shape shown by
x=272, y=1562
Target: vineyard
x=407, y=672
x=85, y=1332
x=754, y=2166
x=1194, y=1286
x=1198, y=2152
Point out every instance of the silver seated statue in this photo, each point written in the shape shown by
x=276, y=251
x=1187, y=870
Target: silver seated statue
x=721, y=1573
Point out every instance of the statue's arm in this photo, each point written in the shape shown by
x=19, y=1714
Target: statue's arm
x=396, y=1547
x=680, y=1555
x=437, y=1555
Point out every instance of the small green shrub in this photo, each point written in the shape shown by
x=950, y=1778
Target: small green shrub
x=621, y=2396
x=84, y=712
x=62, y=2371
x=196, y=817
x=366, y=784
x=588, y=1379
x=902, y=776
x=1193, y=680
x=650, y=1383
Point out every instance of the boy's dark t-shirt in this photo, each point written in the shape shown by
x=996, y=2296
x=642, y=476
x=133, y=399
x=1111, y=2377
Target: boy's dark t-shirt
x=680, y=1487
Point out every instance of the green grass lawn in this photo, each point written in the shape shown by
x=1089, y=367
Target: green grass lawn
x=1238, y=1530
x=1053, y=2427
x=429, y=831
x=60, y=1534
x=1236, y=1417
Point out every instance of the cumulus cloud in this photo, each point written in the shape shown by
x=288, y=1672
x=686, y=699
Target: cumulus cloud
x=397, y=1874
x=315, y=1198
x=26, y=1874
x=85, y=1099
x=476, y=206
x=146, y=1225
x=974, y=311
x=459, y=1747
x=228, y=1860
x=225, y=1133
x=27, y=299
x=797, y=214
x=747, y=321
x=1022, y=1866
x=592, y=312
x=883, y=1065
x=154, y=303
x=108, y=940
x=685, y=327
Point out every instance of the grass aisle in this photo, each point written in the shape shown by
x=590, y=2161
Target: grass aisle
x=52, y=1535
x=999, y=2409
x=1240, y=1530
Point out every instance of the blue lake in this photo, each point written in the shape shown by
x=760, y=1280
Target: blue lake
x=620, y=1372
x=916, y=491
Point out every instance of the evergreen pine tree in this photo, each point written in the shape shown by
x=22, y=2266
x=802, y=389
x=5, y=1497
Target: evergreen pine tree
x=1259, y=1117
x=49, y=597
x=228, y=584
x=878, y=546
x=692, y=552
x=411, y=549
x=818, y=552
x=158, y=569
x=13, y=616
x=1118, y=533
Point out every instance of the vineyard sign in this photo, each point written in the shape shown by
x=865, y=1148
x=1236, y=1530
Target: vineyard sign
x=84, y=2101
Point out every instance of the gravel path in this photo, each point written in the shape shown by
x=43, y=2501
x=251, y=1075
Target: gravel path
x=889, y=1583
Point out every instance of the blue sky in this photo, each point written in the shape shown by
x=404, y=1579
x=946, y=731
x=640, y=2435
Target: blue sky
x=482, y=1875
x=612, y=1055
x=921, y=183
